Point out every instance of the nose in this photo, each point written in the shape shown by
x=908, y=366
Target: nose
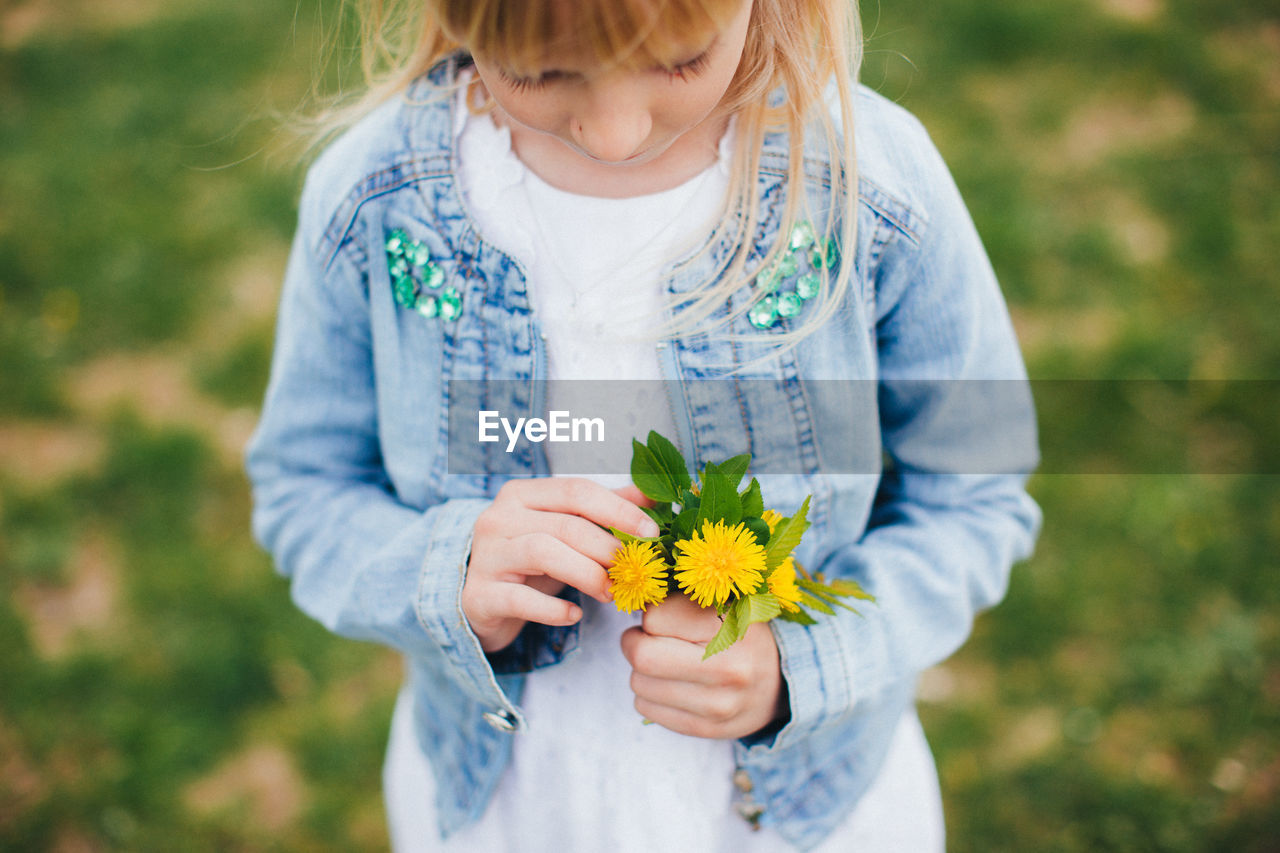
x=613, y=120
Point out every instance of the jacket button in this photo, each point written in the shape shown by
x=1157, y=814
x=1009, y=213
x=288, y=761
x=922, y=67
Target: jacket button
x=503, y=721
x=750, y=812
x=742, y=781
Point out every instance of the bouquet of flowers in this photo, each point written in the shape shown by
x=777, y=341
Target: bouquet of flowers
x=720, y=546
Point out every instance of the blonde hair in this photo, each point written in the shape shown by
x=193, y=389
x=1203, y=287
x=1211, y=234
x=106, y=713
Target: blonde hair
x=796, y=46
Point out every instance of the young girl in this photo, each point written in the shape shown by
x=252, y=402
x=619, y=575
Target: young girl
x=661, y=190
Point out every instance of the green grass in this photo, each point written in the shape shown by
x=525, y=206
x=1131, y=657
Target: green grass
x=1123, y=171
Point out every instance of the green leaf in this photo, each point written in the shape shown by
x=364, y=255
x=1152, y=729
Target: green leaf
x=752, y=499
x=661, y=513
x=760, y=528
x=669, y=458
x=682, y=527
x=759, y=607
x=649, y=475
x=798, y=616
x=741, y=615
x=726, y=636
x=735, y=468
x=824, y=592
x=689, y=499
x=841, y=586
x=807, y=600
x=720, y=501
x=625, y=537
x=786, y=536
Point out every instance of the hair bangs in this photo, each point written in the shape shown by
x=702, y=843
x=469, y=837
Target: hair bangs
x=527, y=35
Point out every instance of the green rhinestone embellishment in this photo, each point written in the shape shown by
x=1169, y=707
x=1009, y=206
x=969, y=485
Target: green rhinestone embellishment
x=417, y=254
x=450, y=304
x=405, y=291
x=806, y=258
x=788, y=265
x=428, y=307
x=789, y=304
x=767, y=281
x=784, y=267
x=807, y=285
x=802, y=236
x=413, y=273
x=432, y=276
x=825, y=256
x=764, y=313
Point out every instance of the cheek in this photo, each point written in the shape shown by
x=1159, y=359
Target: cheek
x=704, y=93
x=531, y=109
x=695, y=105
x=531, y=112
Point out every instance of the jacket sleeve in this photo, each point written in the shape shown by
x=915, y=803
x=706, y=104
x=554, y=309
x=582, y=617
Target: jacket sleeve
x=951, y=514
x=360, y=561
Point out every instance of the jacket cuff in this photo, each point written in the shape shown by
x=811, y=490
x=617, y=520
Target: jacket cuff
x=817, y=695
x=439, y=610
x=538, y=646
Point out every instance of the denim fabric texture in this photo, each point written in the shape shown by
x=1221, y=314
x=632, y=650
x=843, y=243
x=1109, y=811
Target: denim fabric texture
x=349, y=460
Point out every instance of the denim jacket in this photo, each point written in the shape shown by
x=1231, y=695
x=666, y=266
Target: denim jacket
x=350, y=462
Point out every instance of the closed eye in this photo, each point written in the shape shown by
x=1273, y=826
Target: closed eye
x=529, y=84
x=682, y=71
x=691, y=68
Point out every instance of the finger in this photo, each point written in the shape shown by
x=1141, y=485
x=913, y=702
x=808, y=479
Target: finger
x=633, y=494
x=545, y=584
x=628, y=641
x=585, y=498
x=583, y=536
x=518, y=601
x=666, y=658
x=716, y=704
x=579, y=534
x=682, y=722
x=543, y=554
x=679, y=617
x=723, y=723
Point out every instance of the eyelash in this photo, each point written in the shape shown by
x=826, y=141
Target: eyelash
x=692, y=68
x=526, y=84
x=683, y=71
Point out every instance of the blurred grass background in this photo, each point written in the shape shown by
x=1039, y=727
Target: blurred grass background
x=158, y=691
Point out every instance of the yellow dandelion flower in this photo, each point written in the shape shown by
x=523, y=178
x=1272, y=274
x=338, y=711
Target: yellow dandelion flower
x=638, y=576
x=719, y=561
x=782, y=583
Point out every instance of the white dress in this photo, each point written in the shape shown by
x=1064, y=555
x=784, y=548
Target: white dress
x=588, y=775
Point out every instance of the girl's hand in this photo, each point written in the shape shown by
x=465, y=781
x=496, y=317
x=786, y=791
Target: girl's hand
x=537, y=536
x=729, y=695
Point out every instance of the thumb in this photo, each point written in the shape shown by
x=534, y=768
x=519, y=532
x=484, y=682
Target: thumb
x=680, y=618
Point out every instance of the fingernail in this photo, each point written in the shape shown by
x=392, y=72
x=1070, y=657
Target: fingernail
x=649, y=530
